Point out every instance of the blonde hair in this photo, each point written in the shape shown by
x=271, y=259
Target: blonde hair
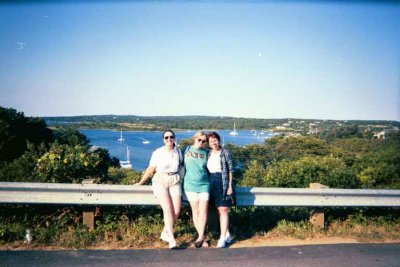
x=198, y=134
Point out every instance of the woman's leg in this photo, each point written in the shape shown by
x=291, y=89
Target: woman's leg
x=223, y=214
x=176, y=209
x=195, y=214
x=168, y=214
x=176, y=203
x=202, y=218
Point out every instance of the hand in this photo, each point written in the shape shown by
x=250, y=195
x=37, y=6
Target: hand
x=137, y=184
x=230, y=191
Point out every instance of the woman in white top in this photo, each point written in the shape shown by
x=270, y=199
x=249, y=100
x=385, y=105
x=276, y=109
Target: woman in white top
x=220, y=166
x=163, y=167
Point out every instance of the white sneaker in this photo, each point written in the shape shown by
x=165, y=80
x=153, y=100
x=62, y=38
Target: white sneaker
x=228, y=238
x=172, y=244
x=221, y=243
x=165, y=237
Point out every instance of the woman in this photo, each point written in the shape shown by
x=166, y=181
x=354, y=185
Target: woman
x=166, y=184
x=219, y=165
x=196, y=184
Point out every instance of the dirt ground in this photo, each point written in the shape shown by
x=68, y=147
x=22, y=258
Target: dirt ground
x=253, y=242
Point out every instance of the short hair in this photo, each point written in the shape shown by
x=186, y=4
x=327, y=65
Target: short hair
x=213, y=135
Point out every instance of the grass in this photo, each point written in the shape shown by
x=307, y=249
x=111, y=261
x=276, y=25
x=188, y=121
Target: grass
x=141, y=226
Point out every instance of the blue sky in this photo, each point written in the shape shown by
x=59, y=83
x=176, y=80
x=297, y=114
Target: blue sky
x=260, y=59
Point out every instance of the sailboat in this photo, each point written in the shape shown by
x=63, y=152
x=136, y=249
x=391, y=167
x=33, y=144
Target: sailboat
x=234, y=130
x=126, y=164
x=121, y=139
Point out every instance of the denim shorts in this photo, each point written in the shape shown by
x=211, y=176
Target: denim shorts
x=216, y=191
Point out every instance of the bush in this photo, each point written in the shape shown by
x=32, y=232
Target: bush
x=300, y=173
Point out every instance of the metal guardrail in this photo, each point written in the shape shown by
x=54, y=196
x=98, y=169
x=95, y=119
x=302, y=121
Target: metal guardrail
x=104, y=194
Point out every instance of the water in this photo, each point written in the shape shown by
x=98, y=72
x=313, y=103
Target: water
x=140, y=153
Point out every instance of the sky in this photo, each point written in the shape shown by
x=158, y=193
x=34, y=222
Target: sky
x=335, y=60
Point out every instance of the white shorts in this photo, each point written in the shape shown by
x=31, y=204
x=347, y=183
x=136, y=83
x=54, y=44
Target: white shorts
x=164, y=184
x=194, y=196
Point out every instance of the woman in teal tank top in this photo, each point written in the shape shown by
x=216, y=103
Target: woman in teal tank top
x=196, y=184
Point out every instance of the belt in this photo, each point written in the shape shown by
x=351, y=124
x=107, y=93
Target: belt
x=171, y=173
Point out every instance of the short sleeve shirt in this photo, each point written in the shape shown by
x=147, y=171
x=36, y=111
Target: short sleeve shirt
x=165, y=161
x=196, y=177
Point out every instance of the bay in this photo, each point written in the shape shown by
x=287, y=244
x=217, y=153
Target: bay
x=140, y=152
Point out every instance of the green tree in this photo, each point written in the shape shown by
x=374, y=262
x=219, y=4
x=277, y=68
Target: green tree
x=347, y=131
x=293, y=148
x=72, y=164
x=70, y=136
x=309, y=169
x=379, y=165
x=254, y=174
x=16, y=130
x=22, y=169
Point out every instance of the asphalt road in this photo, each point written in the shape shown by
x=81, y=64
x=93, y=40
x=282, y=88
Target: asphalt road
x=348, y=255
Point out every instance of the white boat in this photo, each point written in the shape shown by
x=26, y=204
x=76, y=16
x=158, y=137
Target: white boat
x=146, y=142
x=234, y=130
x=121, y=139
x=126, y=164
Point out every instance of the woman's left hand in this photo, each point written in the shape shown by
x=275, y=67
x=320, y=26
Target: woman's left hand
x=230, y=191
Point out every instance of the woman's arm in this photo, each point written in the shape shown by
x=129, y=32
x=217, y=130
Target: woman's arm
x=147, y=175
x=230, y=190
x=230, y=171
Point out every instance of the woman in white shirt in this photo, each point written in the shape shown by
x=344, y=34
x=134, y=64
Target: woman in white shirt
x=220, y=166
x=166, y=183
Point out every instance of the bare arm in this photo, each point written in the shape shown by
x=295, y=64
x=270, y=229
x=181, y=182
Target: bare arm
x=147, y=175
x=230, y=190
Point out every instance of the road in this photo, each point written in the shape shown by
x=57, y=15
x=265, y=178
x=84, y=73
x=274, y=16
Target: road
x=312, y=255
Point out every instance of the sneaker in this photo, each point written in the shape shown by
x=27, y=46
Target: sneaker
x=228, y=238
x=165, y=237
x=172, y=244
x=221, y=243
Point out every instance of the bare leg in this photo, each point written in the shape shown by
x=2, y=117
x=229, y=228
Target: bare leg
x=176, y=205
x=168, y=214
x=176, y=202
x=223, y=220
x=202, y=218
x=195, y=213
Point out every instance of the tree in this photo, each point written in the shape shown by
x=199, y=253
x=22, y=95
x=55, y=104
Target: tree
x=379, y=165
x=22, y=169
x=70, y=136
x=293, y=148
x=310, y=169
x=254, y=174
x=16, y=130
x=66, y=164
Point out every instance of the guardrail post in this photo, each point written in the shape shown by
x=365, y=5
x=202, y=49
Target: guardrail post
x=317, y=216
x=88, y=212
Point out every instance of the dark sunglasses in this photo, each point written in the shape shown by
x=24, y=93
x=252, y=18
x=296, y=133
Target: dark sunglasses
x=202, y=140
x=169, y=137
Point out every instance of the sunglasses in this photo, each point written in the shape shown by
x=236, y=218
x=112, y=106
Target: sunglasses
x=202, y=140
x=169, y=137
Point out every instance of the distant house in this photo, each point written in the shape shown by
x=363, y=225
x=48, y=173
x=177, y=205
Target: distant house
x=379, y=135
x=313, y=128
x=280, y=128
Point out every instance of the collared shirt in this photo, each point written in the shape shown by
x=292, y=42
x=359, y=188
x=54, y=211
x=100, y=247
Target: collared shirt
x=165, y=161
